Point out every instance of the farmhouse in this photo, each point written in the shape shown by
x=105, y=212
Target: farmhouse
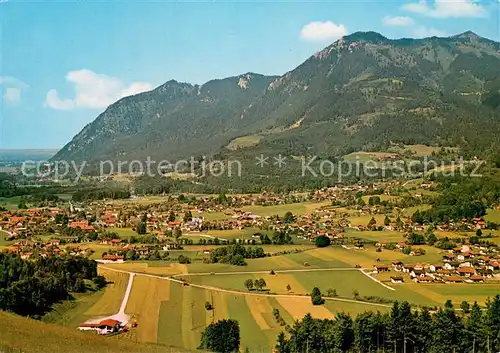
x=423, y=279
x=380, y=268
x=435, y=267
x=103, y=328
x=466, y=271
x=397, y=279
x=113, y=258
x=453, y=279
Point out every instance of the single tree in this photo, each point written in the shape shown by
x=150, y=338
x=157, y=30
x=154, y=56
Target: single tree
x=331, y=292
x=188, y=216
x=465, y=307
x=249, y=284
x=260, y=283
x=322, y=241
x=387, y=221
x=316, y=297
x=289, y=217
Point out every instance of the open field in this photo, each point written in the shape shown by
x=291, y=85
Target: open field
x=382, y=197
x=280, y=210
x=152, y=268
x=109, y=302
x=144, y=306
x=244, y=141
x=366, y=258
x=364, y=219
x=71, y=313
x=183, y=317
x=169, y=313
x=365, y=156
x=285, y=262
x=465, y=291
x=10, y=203
x=124, y=233
x=420, y=150
x=3, y=239
x=492, y=215
x=212, y=216
x=300, y=282
x=383, y=236
x=245, y=233
x=408, y=212
x=264, y=211
x=31, y=336
x=98, y=249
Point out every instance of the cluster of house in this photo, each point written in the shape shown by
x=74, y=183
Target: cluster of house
x=18, y=224
x=459, y=265
x=26, y=249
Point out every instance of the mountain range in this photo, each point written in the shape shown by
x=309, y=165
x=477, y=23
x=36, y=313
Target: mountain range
x=363, y=92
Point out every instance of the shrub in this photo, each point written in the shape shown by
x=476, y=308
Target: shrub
x=322, y=241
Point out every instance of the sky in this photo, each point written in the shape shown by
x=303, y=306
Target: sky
x=63, y=62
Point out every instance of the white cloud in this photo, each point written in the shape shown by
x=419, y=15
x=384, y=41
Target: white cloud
x=322, y=31
x=423, y=32
x=12, y=95
x=397, y=21
x=447, y=8
x=12, y=88
x=93, y=91
x=53, y=101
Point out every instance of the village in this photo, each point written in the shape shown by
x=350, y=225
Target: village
x=114, y=232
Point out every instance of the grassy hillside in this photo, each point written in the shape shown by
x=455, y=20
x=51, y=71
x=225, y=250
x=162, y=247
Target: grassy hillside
x=25, y=335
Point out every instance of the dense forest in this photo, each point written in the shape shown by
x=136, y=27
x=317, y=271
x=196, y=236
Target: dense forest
x=461, y=197
x=473, y=329
x=91, y=193
x=31, y=287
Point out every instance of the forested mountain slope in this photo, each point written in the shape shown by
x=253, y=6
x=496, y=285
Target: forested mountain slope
x=362, y=92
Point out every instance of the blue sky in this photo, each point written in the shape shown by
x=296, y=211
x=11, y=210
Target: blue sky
x=63, y=62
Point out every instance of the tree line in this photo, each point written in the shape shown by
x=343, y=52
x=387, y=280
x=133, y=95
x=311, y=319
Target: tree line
x=30, y=288
x=462, y=198
x=400, y=330
x=236, y=254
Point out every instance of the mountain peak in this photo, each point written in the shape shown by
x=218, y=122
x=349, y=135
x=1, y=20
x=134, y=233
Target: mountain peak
x=372, y=37
x=467, y=35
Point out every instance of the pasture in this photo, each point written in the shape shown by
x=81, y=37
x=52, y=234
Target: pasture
x=182, y=316
x=3, y=239
x=244, y=141
x=173, y=314
x=71, y=313
x=280, y=210
x=109, y=303
x=492, y=215
x=10, y=203
x=20, y=334
x=382, y=236
x=124, y=233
